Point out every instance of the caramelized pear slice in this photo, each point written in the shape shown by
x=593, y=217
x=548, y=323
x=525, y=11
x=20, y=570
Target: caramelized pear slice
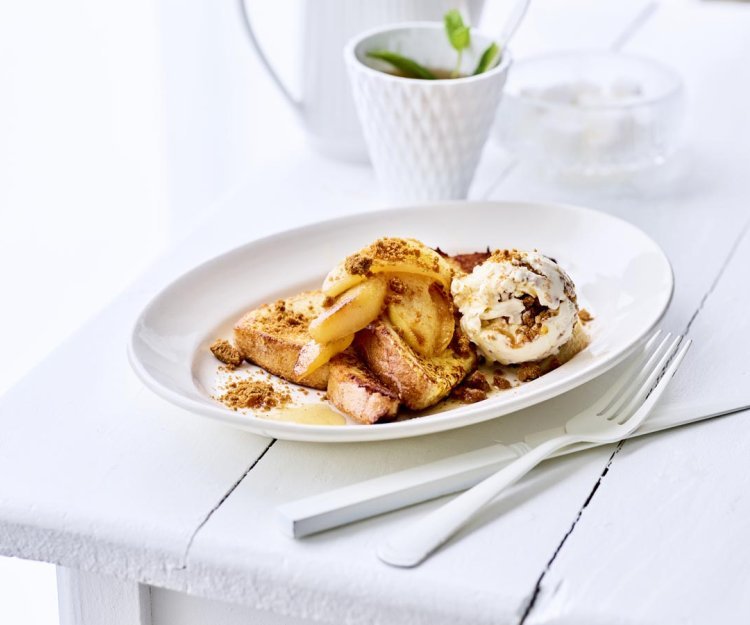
x=422, y=314
x=353, y=310
x=388, y=255
x=446, y=320
x=314, y=355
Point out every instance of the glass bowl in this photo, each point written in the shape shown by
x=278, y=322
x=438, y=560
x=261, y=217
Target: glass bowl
x=591, y=113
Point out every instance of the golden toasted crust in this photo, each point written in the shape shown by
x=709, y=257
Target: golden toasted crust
x=355, y=390
x=417, y=381
x=273, y=335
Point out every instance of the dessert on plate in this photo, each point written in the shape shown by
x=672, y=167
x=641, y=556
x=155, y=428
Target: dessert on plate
x=516, y=306
x=398, y=327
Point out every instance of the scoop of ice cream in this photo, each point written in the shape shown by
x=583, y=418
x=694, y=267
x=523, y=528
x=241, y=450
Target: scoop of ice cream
x=516, y=306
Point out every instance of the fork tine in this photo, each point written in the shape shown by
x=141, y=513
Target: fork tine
x=606, y=400
x=634, y=419
x=641, y=370
x=637, y=393
x=631, y=373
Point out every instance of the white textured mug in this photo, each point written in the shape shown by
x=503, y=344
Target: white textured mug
x=424, y=137
x=326, y=108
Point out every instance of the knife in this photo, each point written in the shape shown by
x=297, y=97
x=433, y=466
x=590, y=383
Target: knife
x=386, y=493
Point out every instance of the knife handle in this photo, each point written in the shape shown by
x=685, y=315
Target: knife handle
x=393, y=491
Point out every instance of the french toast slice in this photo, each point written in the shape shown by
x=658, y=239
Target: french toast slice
x=418, y=381
x=354, y=389
x=273, y=335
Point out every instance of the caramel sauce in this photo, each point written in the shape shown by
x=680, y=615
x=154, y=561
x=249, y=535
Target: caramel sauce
x=307, y=414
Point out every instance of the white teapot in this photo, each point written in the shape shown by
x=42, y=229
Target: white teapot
x=326, y=107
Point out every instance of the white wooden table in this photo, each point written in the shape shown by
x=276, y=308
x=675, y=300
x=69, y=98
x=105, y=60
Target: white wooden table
x=157, y=516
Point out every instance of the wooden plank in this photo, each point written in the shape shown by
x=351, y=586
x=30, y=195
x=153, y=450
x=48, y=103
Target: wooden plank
x=664, y=539
x=116, y=480
x=242, y=556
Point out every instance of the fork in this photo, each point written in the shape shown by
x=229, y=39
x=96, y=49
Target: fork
x=613, y=417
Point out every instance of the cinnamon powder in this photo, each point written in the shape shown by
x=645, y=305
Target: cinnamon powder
x=253, y=394
x=226, y=353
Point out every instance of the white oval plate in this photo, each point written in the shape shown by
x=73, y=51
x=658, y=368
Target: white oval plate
x=621, y=276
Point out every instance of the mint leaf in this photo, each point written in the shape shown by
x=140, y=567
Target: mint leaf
x=489, y=58
x=458, y=33
x=408, y=67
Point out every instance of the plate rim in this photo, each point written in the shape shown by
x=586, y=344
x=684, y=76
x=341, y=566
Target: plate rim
x=474, y=413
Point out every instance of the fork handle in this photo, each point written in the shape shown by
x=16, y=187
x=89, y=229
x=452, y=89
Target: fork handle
x=409, y=546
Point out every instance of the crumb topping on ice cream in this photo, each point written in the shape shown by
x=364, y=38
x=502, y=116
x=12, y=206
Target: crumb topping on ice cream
x=516, y=306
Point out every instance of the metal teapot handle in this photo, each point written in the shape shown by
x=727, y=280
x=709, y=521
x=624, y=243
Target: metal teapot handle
x=294, y=103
